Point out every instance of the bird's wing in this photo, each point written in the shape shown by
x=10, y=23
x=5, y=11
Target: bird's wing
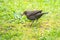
x=30, y=13
x=36, y=12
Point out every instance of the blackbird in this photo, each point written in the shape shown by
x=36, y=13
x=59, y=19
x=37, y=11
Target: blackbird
x=33, y=15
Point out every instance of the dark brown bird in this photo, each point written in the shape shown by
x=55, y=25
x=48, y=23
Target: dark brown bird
x=33, y=15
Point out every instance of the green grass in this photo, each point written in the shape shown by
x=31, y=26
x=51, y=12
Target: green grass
x=13, y=26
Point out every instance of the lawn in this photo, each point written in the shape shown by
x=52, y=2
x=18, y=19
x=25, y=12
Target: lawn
x=14, y=26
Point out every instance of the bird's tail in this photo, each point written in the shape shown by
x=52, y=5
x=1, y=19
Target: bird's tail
x=45, y=13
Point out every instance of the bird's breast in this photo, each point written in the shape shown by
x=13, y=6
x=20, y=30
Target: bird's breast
x=31, y=17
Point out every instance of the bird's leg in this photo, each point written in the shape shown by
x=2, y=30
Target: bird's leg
x=36, y=21
x=32, y=23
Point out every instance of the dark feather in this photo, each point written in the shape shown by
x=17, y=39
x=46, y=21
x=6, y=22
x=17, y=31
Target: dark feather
x=33, y=15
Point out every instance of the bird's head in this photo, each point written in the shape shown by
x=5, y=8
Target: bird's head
x=24, y=13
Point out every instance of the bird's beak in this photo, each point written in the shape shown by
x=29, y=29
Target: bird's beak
x=22, y=14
